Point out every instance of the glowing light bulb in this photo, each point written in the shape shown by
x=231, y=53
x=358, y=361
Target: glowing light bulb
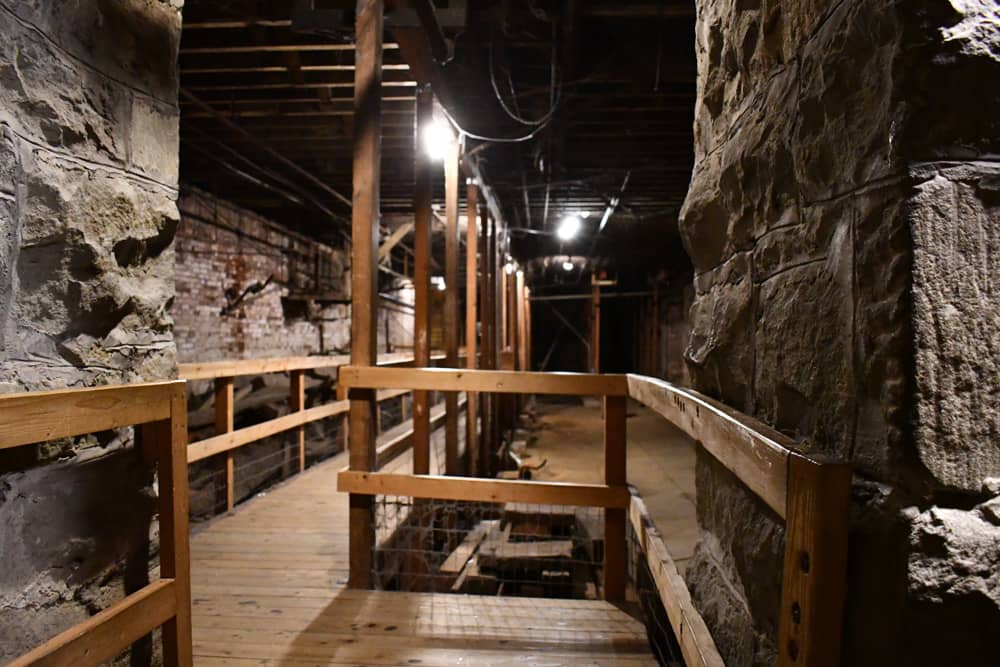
x=568, y=228
x=567, y=266
x=437, y=138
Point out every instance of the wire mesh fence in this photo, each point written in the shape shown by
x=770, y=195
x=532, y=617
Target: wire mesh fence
x=508, y=549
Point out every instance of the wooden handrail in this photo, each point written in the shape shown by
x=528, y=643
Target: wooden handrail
x=696, y=643
x=46, y=415
x=753, y=451
x=161, y=409
x=210, y=370
x=810, y=493
x=498, y=382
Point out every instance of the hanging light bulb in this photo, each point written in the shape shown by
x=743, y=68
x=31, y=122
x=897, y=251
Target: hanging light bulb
x=568, y=266
x=437, y=138
x=568, y=228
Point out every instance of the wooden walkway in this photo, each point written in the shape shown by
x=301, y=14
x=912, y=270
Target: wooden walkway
x=269, y=589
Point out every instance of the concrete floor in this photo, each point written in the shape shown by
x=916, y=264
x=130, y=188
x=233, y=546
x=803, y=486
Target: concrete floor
x=661, y=461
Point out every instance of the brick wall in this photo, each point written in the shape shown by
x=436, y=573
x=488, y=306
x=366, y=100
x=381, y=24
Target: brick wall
x=247, y=288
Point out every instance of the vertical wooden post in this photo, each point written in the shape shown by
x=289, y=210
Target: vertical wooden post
x=504, y=292
x=472, y=398
x=486, y=318
x=595, y=324
x=615, y=548
x=364, y=266
x=527, y=327
x=656, y=331
x=813, y=584
x=522, y=322
x=169, y=439
x=224, y=424
x=297, y=402
x=451, y=173
x=422, y=284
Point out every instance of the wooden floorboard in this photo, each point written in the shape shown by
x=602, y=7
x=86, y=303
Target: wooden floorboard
x=268, y=590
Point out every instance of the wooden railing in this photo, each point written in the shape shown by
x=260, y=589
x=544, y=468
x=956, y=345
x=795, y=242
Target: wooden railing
x=161, y=410
x=613, y=495
x=228, y=439
x=810, y=494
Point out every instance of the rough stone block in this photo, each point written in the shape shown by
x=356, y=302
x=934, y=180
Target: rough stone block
x=113, y=37
x=804, y=381
x=955, y=225
x=47, y=96
x=720, y=350
x=155, y=139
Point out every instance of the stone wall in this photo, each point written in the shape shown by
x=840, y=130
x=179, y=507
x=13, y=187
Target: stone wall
x=844, y=221
x=88, y=176
x=249, y=288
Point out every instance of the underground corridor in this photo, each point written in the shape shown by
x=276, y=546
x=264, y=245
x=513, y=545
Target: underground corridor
x=499, y=332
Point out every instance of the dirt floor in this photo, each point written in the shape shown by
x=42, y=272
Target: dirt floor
x=661, y=462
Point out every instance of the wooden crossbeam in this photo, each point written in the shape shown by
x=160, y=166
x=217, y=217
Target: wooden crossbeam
x=501, y=382
x=475, y=489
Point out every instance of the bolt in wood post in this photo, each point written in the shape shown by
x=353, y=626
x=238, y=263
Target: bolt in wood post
x=224, y=424
x=814, y=580
x=615, y=547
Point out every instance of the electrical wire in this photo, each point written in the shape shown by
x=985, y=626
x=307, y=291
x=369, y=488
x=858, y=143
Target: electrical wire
x=554, y=86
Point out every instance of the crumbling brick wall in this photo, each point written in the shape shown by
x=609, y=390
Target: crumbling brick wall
x=844, y=220
x=88, y=178
x=248, y=288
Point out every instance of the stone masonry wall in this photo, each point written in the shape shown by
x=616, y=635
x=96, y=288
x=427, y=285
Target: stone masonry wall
x=844, y=221
x=88, y=176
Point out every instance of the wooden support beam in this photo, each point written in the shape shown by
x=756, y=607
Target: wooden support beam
x=814, y=581
x=394, y=239
x=364, y=268
x=595, y=329
x=476, y=489
x=297, y=403
x=422, y=284
x=656, y=332
x=615, y=547
x=486, y=332
x=451, y=171
x=471, y=341
x=224, y=411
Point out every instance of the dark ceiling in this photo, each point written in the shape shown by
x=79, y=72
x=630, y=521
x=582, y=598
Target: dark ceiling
x=603, y=91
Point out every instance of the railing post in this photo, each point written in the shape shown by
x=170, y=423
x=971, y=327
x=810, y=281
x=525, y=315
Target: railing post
x=297, y=402
x=813, y=583
x=615, y=547
x=169, y=440
x=224, y=424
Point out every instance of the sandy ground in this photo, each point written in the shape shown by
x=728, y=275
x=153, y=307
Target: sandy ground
x=661, y=463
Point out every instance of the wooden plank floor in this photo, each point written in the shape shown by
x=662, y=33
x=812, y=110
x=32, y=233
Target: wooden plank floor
x=268, y=589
